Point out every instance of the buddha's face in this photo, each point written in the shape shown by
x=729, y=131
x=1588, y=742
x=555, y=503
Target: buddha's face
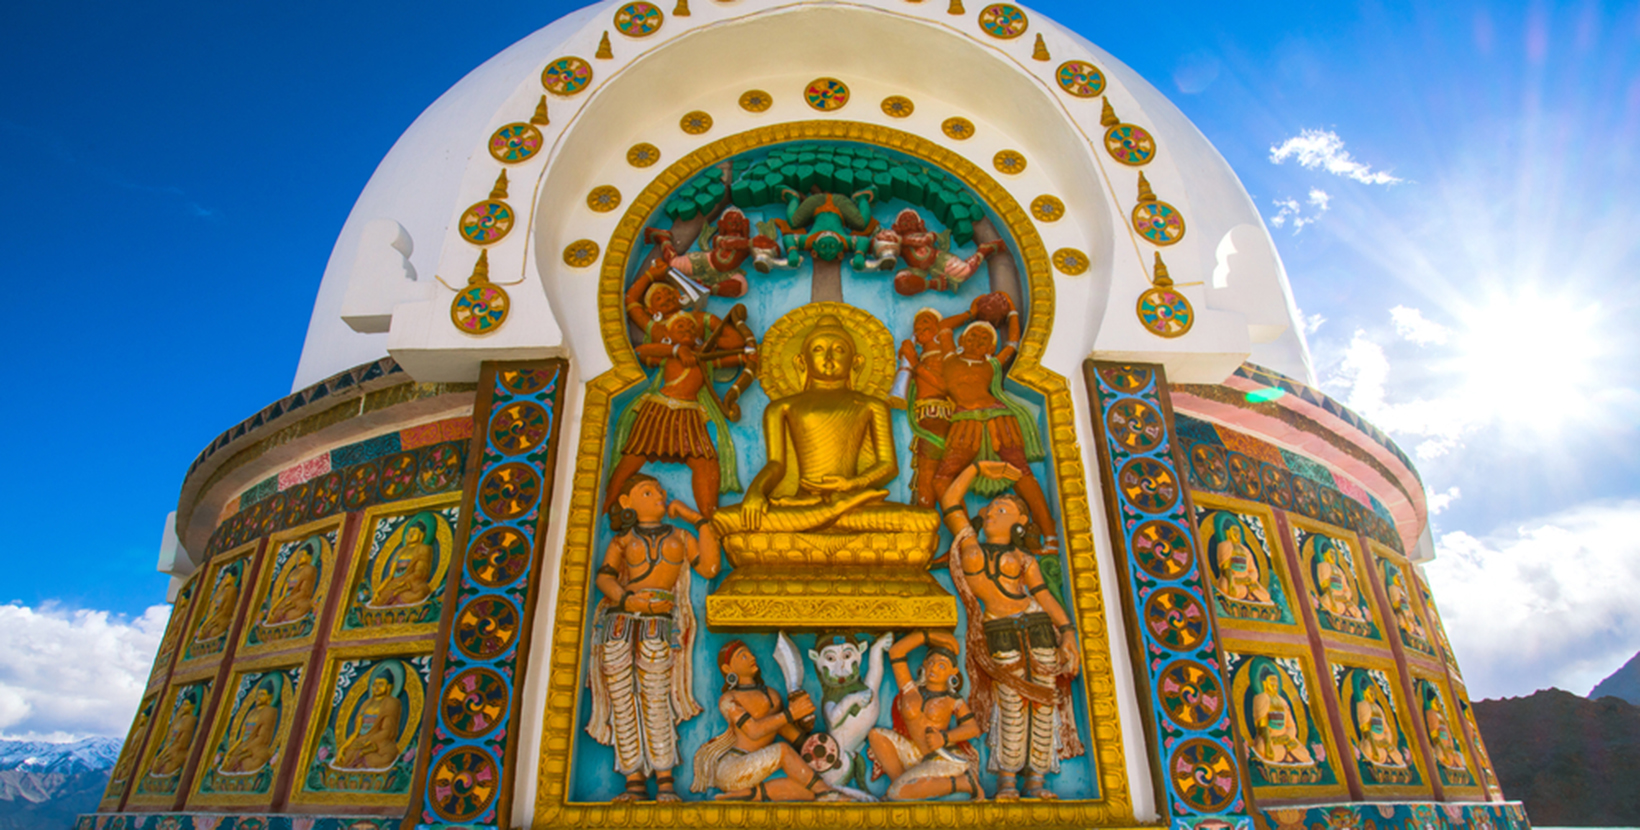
x=647, y=499
x=1233, y=534
x=414, y=535
x=938, y=671
x=1272, y=686
x=925, y=327
x=380, y=686
x=828, y=355
x=263, y=696
x=978, y=340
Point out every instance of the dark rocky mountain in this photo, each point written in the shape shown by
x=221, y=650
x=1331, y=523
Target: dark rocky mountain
x=43, y=786
x=1623, y=683
x=1574, y=762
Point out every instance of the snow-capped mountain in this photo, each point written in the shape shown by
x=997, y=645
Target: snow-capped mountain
x=88, y=755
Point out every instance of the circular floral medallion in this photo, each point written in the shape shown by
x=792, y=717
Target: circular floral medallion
x=1175, y=619
x=463, y=783
x=398, y=475
x=480, y=309
x=1203, y=774
x=958, y=128
x=1305, y=498
x=1190, y=695
x=1159, y=222
x=756, y=100
x=327, y=495
x=515, y=143
x=695, y=123
x=509, y=491
x=1047, y=208
x=638, y=19
x=1080, y=78
x=274, y=514
x=1244, y=475
x=526, y=381
x=1126, y=378
x=1010, y=162
x=826, y=94
x=898, y=106
x=604, y=198
x=1130, y=144
x=580, y=253
x=519, y=427
x=486, y=627
x=1002, y=20
x=440, y=468
x=1162, y=549
x=566, y=76
x=1136, y=425
x=1165, y=312
x=486, y=222
x=1207, y=462
x=360, y=486
x=1070, y=261
x=643, y=155
x=499, y=556
x=1148, y=485
x=1278, y=487
x=474, y=702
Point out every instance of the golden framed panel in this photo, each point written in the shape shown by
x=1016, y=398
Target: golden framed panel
x=1477, y=747
x=283, y=566
x=1369, y=629
x=181, y=610
x=1432, y=618
x=1238, y=674
x=345, y=691
x=383, y=537
x=220, y=603
x=171, y=743
x=1230, y=613
x=1395, y=573
x=553, y=807
x=1383, y=687
x=1448, y=717
x=119, y=778
x=233, y=736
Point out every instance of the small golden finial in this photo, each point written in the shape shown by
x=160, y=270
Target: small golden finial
x=540, y=116
x=500, y=189
x=1161, y=279
x=1145, y=193
x=481, y=269
x=1040, y=52
x=1107, y=116
x=681, y=9
x=604, y=51
x=956, y=8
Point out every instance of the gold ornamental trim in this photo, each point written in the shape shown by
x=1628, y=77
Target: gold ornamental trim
x=553, y=807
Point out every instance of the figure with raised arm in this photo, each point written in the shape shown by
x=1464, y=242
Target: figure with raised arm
x=742, y=760
x=927, y=754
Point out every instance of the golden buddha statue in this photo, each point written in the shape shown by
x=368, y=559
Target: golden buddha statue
x=1276, y=737
x=815, y=528
x=252, y=748
x=374, y=742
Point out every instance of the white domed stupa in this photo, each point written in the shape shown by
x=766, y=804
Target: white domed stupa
x=763, y=414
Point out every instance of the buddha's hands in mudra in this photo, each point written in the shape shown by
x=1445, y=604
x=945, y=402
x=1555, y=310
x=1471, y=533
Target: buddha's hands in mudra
x=830, y=483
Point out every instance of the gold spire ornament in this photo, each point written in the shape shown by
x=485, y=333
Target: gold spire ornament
x=1162, y=310
x=1040, y=51
x=604, y=51
x=956, y=8
x=500, y=189
x=1129, y=144
x=1107, y=114
x=540, y=116
x=681, y=9
x=482, y=306
x=1155, y=220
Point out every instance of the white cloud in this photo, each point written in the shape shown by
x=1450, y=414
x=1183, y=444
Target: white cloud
x=1323, y=149
x=1550, y=603
x=1439, y=502
x=73, y=673
x=1291, y=212
x=1411, y=325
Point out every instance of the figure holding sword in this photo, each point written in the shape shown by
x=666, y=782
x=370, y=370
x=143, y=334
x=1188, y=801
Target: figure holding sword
x=762, y=731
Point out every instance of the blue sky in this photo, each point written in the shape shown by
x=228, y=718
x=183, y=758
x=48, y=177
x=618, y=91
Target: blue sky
x=175, y=176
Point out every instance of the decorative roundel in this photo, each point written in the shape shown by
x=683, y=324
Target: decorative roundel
x=519, y=427
x=1162, y=549
x=360, y=486
x=643, y=155
x=1305, y=498
x=1277, y=488
x=1176, y=619
x=1190, y=695
x=826, y=94
x=957, y=127
x=1244, y=475
x=1148, y=485
x=297, y=507
x=509, y=491
x=1047, y=208
x=1207, y=461
x=480, y=309
x=515, y=143
x=474, y=702
x=695, y=123
x=1126, y=378
x=462, y=784
x=1165, y=312
x=1159, y=222
x=398, y=475
x=1070, y=261
x=1011, y=162
x=525, y=381
x=1136, y=425
x=486, y=222
x=1002, y=20
x=1080, y=78
x=756, y=100
x=498, y=557
x=1203, y=775
x=898, y=106
x=638, y=19
x=566, y=76
x=327, y=494
x=822, y=752
x=580, y=253
x=273, y=513
x=439, y=469
x=604, y=198
x=1130, y=144
x=486, y=627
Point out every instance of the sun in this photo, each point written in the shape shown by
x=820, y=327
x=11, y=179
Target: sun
x=1530, y=360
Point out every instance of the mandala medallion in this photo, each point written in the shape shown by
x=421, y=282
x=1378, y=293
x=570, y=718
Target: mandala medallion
x=1165, y=312
x=398, y=475
x=1190, y=695
x=1004, y=21
x=480, y=308
x=756, y=100
x=1244, y=475
x=1278, y=489
x=1162, y=549
x=1207, y=462
x=604, y=198
x=898, y=106
x=826, y=94
x=486, y=222
x=327, y=494
x=1128, y=379
x=526, y=381
x=1070, y=261
x=957, y=127
x=440, y=468
x=1148, y=485
x=474, y=702
x=519, y=427
x=1009, y=162
x=1047, y=208
x=462, y=784
x=1203, y=775
x=580, y=253
x=1136, y=425
x=1080, y=78
x=509, y=491
x=695, y=123
x=360, y=486
x=515, y=143
x=1176, y=620
x=643, y=155
x=566, y=76
x=486, y=627
x=1130, y=144
x=638, y=19
x=1159, y=222
x=499, y=556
